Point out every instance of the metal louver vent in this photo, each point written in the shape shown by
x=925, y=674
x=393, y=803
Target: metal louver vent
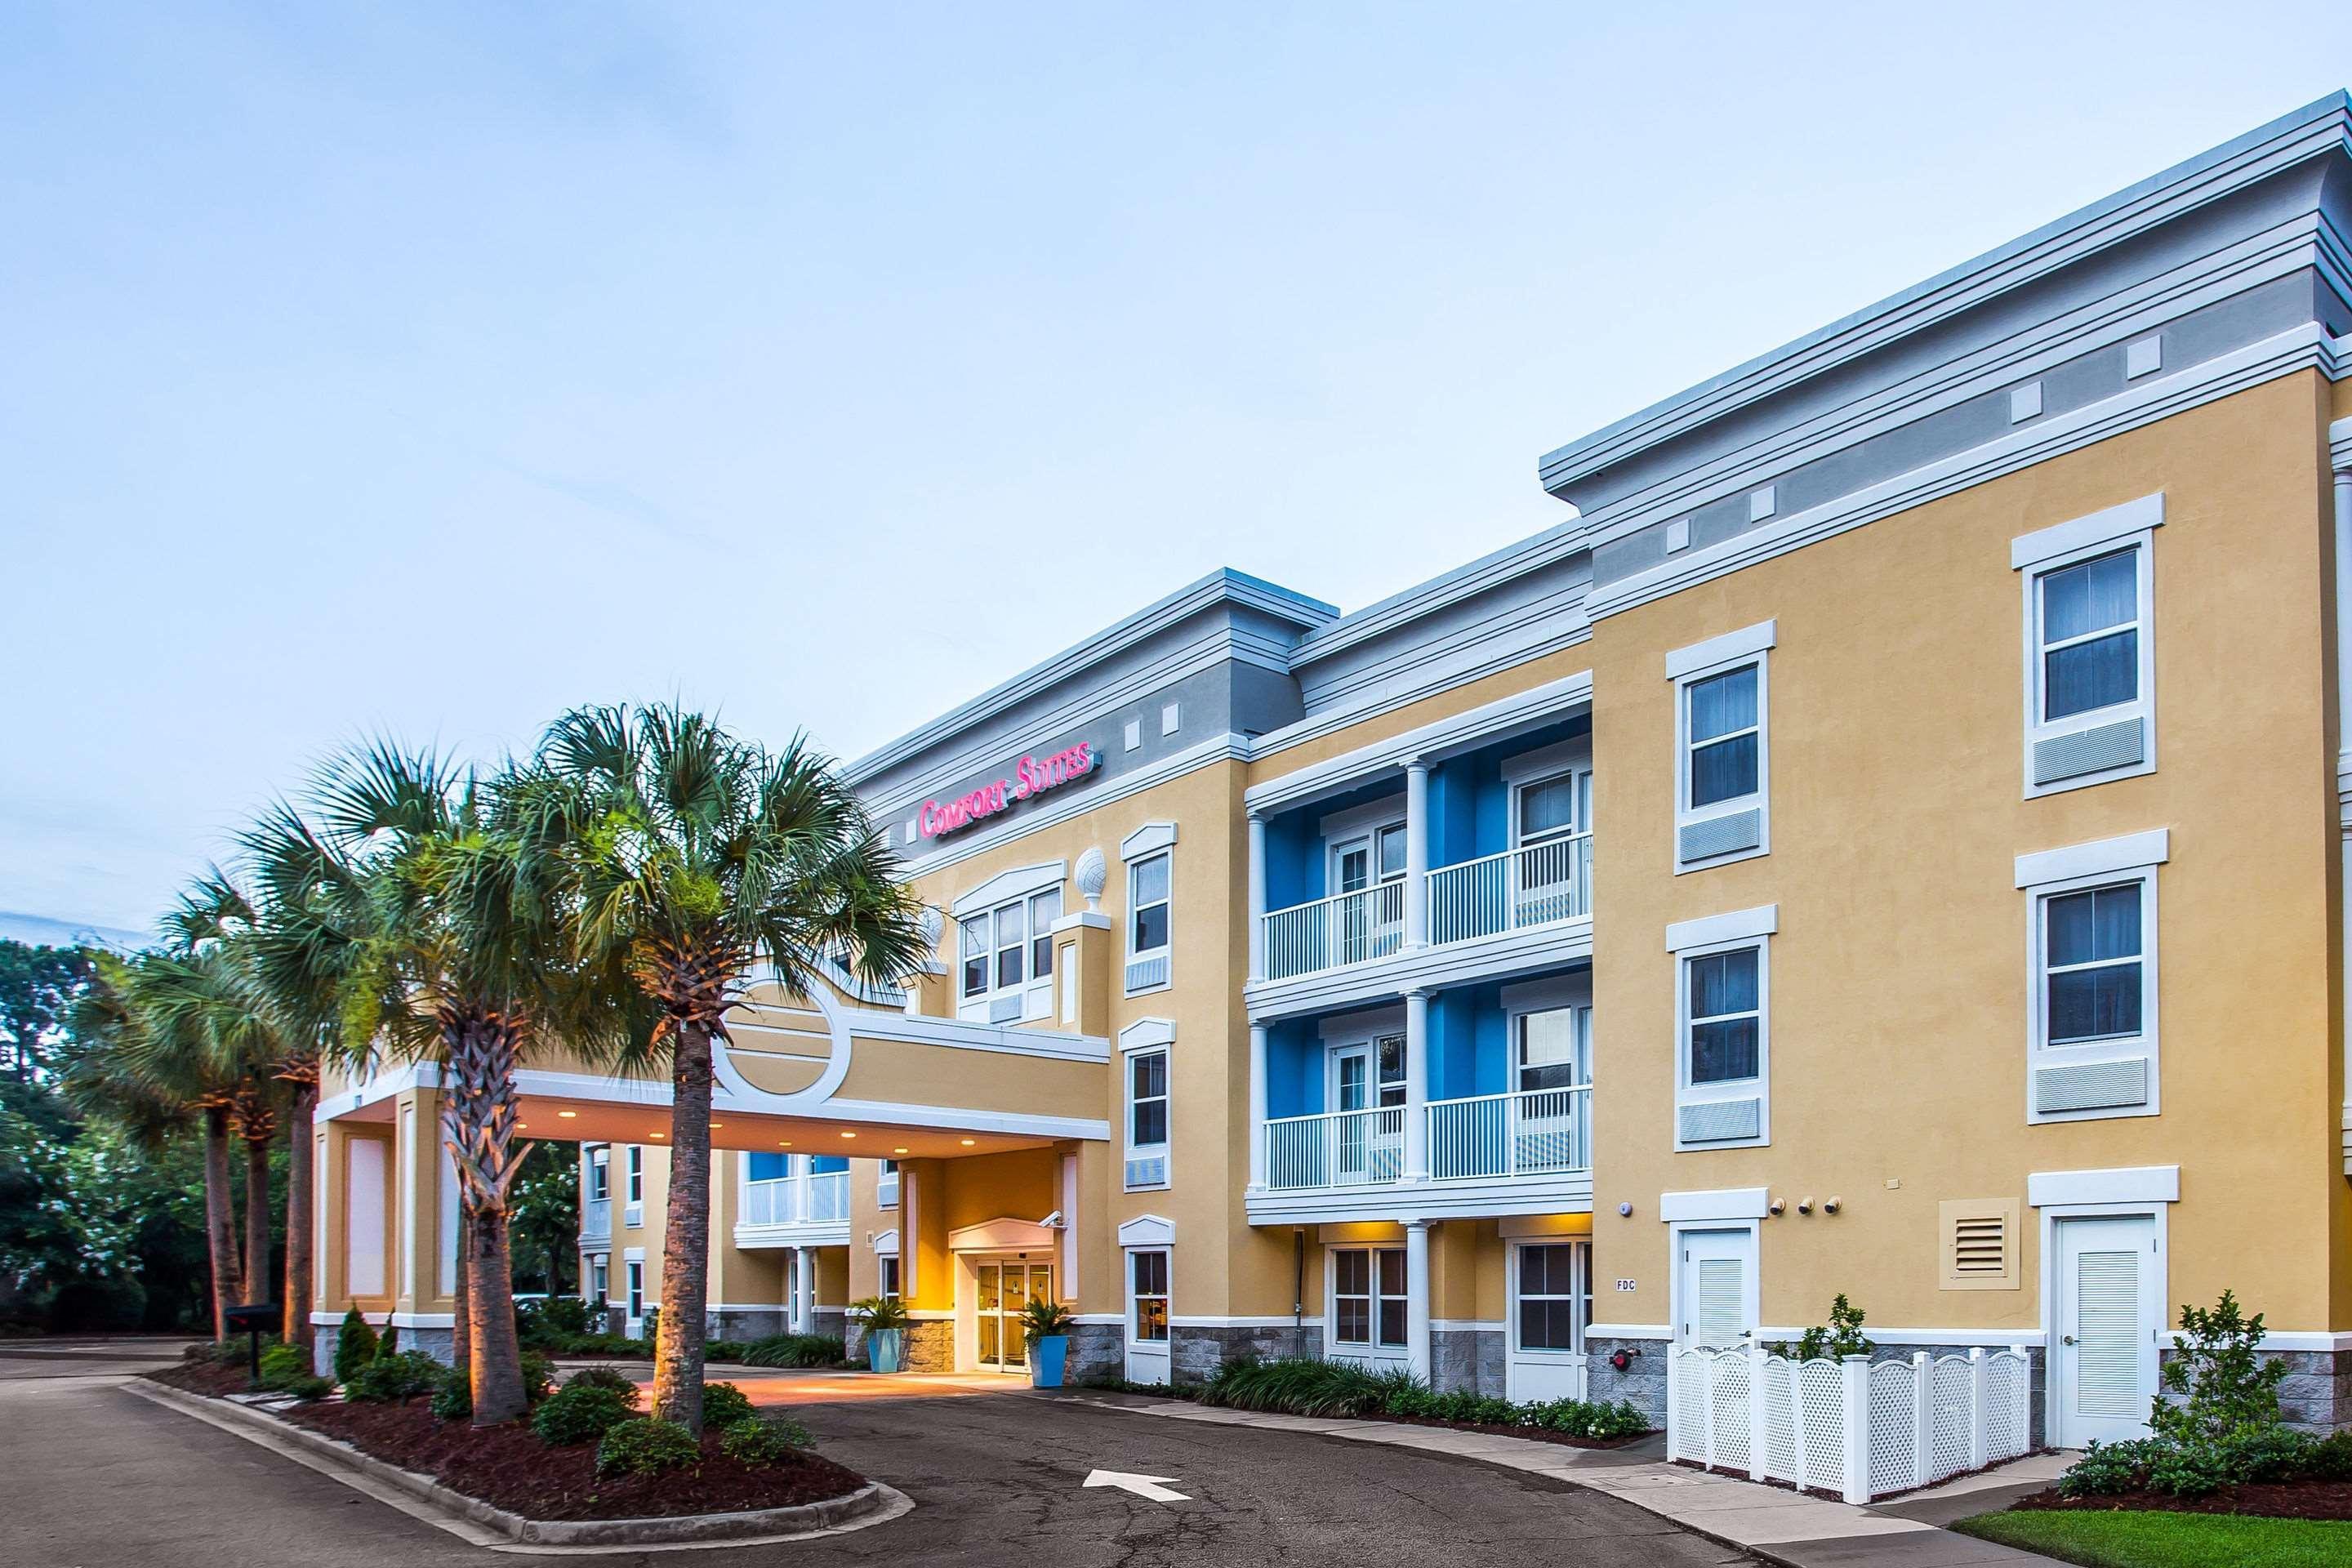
x=1005, y=1009
x=1718, y=1121
x=1148, y=1171
x=1721, y=835
x=2091, y=1086
x=2092, y=750
x=1142, y=973
x=1980, y=1245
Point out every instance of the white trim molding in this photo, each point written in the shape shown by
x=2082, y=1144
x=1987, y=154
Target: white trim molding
x=2100, y=857
x=1147, y=1034
x=2112, y=526
x=1148, y=839
x=1147, y=1230
x=1698, y=1207
x=2129, y=1185
x=1427, y=742
x=1729, y=649
x=1711, y=930
x=1018, y=882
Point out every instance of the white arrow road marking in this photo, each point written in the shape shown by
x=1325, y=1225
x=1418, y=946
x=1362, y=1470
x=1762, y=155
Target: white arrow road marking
x=1141, y=1486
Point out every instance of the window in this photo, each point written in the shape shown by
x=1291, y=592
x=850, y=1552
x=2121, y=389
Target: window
x=1551, y=808
x=890, y=1264
x=2091, y=928
x=1554, y=1295
x=636, y=1289
x=599, y=1174
x=1722, y=767
x=1723, y=1028
x=1551, y=1048
x=886, y=1186
x=1147, y=1104
x=2090, y=667
x=1368, y=1304
x=1148, y=1273
x=1727, y=1016
x=1004, y=949
x=600, y=1280
x=1146, y=883
x=637, y=1175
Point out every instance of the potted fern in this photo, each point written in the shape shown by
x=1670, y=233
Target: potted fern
x=1046, y=1326
x=884, y=1319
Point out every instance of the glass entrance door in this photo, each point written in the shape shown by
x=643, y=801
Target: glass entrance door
x=1005, y=1289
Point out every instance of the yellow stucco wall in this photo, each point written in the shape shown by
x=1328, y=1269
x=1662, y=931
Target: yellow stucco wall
x=1898, y=982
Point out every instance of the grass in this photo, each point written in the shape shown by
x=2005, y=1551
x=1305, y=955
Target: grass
x=2126, y=1538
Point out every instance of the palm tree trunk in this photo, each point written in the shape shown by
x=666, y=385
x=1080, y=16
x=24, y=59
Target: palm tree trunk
x=482, y=1051
x=220, y=1225
x=299, y=1219
x=461, y=1323
x=256, y=1215
x=686, y=1235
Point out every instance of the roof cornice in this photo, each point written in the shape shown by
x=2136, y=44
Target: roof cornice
x=2292, y=139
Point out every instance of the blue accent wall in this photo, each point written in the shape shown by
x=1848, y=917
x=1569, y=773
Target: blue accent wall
x=1294, y=1068
x=768, y=1167
x=821, y=1164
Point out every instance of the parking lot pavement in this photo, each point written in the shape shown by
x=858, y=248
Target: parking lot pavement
x=100, y=1477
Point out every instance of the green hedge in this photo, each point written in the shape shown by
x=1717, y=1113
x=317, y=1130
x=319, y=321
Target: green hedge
x=646, y=1445
x=1301, y=1386
x=794, y=1350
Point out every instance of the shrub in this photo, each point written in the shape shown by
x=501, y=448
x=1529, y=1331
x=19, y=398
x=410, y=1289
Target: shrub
x=880, y=1312
x=2107, y=1468
x=310, y=1388
x=354, y=1345
x=724, y=1405
x=1842, y=1337
x=545, y=1324
x=724, y=1349
x=758, y=1443
x=282, y=1365
x=794, y=1350
x=578, y=1415
x=538, y=1376
x=1582, y=1418
x=389, y=1346
x=2218, y=1381
x=2331, y=1457
x=646, y=1445
x=400, y=1377
x=453, y=1396
x=1304, y=1387
x=603, y=1377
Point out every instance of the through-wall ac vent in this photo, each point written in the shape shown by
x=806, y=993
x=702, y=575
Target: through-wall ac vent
x=1005, y=1009
x=1720, y=1120
x=1979, y=1244
x=2090, y=751
x=1721, y=835
x=1150, y=1171
x=1143, y=974
x=2091, y=1086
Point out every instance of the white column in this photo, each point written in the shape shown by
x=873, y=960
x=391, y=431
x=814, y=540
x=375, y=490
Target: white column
x=1257, y=1107
x=1416, y=1086
x=1069, y=1291
x=1416, y=1297
x=804, y=1290
x=909, y=1239
x=1256, y=895
x=1416, y=853
x=2344, y=768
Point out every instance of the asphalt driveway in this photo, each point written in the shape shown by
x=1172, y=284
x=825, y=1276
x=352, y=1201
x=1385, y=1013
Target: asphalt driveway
x=97, y=1476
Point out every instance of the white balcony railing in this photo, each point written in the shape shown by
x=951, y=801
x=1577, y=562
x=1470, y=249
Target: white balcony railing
x=1539, y=885
x=822, y=1198
x=828, y=1197
x=1530, y=1133
x=596, y=1217
x=1340, y=1148
x=1330, y=933
x=1489, y=1137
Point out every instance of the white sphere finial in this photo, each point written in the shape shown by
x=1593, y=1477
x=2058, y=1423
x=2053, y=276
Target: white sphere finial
x=1092, y=875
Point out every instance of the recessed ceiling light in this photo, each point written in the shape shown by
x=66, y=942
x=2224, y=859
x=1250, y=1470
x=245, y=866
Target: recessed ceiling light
x=784, y=1142
x=970, y=1141
x=898, y=1151
x=661, y=1134
x=849, y=1135
x=569, y=1115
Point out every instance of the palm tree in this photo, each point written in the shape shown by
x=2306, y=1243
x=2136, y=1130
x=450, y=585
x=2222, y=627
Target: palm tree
x=429, y=909
x=696, y=857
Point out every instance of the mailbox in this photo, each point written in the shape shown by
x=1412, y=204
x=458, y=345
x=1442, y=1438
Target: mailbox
x=252, y=1319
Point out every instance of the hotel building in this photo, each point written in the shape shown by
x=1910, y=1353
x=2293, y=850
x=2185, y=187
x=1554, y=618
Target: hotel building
x=1889, y=838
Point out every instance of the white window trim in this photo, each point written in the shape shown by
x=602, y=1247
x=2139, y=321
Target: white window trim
x=1583, y=1270
x=1165, y=1246
x=1735, y=933
x=1561, y=995
x=632, y=1185
x=886, y=1186
x=1702, y=661
x=1134, y=863
x=2108, y=863
x=2033, y=556
x=1036, y=993
x=1371, y=1350
x=600, y=1159
x=1143, y=1038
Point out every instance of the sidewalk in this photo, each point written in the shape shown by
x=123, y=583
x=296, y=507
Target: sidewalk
x=1776, y=1524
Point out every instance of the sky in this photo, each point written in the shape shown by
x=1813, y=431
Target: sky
x=424, y=370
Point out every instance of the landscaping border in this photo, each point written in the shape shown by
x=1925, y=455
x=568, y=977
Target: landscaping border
x=485, y=1524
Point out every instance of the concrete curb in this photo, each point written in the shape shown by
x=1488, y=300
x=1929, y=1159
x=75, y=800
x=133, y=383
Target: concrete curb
x=485, y=1524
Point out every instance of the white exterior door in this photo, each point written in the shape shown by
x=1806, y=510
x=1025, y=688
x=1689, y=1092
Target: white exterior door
x=2109, y=1310
x=1715, y=1289
x=1552, y=1297
x=1147, y=1316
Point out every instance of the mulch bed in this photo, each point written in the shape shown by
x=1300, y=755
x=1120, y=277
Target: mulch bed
x=205, y=1377
x=2270, y=1500
x=509, y=1467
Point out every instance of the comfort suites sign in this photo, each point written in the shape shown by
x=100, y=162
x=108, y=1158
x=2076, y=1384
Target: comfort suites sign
x=1030, y=776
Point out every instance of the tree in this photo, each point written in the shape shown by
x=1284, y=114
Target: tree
x=439, y=933
x=38, y=987
x=546, y=1207
x=692, y=858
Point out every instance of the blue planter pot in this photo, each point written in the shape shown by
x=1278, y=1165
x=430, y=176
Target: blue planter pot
x=882, y=1349
x=1047, y=1357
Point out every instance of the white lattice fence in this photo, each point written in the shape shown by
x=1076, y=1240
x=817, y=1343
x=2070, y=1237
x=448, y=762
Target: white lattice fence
x=1852, y=1427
